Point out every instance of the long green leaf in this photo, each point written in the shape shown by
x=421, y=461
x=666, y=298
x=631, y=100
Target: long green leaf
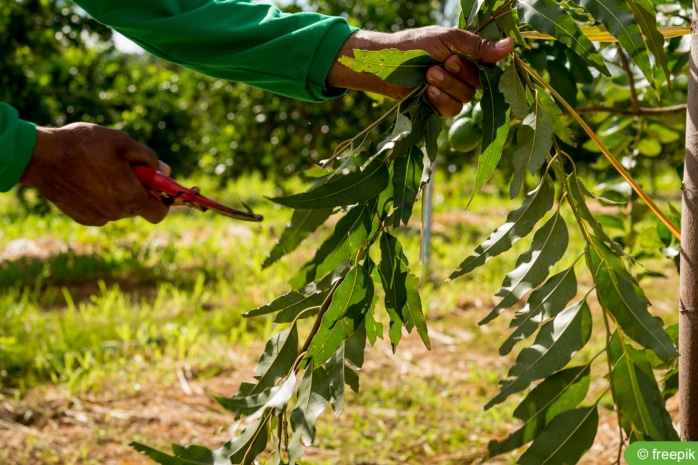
x=548, y=17
x=544, y=303
x=165, y=459
x=348, y=189
x=646, y=18
x=280, y=354
x=620, y=21
x=346, y=314
x=405, y=68
x=343, y=367
x=313, y=398
x=349, y=234
x=251, y=442
x=519, y=224
x=495, y=127
x=289, y=306
x=558, y=393
x=621, y=296
x=578, y=194
x=553, y=348
x=565, y=440
x=534, y=140
x=532, y=268
x=302, y=224
x=514, y=93
x=401, y=291
x=637, y=395
x=407, y=180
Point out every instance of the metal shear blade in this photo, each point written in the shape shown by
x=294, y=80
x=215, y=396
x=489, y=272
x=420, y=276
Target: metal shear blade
x=172, y=193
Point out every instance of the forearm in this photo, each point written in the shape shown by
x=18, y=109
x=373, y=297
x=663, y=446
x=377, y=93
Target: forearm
x=288, y=54
x=17, y=140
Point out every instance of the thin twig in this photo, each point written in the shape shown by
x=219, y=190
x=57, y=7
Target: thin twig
x=625, y=64
x=609, y=156
x=639, y=111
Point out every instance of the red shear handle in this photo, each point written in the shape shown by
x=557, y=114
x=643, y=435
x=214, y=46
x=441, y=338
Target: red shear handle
x=173, y=193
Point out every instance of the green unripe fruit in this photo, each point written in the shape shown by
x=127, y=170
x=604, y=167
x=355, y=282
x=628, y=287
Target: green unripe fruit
x=464, y=135
x=476, y=114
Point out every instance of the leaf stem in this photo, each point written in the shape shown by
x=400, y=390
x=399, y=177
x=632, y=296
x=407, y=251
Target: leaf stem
x=625, y=64
x=609, y=156
x=497, y=14
x=347, y=144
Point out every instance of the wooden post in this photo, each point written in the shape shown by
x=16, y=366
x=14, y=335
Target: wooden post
x=688, y=300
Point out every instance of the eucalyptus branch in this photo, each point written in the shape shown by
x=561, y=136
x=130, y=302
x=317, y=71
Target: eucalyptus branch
x=318, y=320
x=639, y=111
x=609, y=156
x=625, y=64
x=262, y=424
x=497, y=14
x=349, y=143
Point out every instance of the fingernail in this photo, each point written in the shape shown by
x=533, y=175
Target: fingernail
x=503, y=43
x=164, y=167
x=434, y=91
x=437, y=75
x=453, y=66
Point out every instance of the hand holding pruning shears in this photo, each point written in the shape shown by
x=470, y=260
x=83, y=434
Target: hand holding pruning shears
x=87, y=172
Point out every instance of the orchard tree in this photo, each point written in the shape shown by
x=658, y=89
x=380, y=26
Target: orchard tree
x=625, y=56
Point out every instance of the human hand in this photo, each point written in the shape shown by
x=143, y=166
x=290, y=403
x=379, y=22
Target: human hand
x=85, y=170
x=451, y=84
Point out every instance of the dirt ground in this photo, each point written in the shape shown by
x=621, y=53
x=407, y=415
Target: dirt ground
x=50, y=427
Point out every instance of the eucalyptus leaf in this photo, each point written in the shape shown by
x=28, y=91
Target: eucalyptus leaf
x=349, y=234
x=302, y=224
x=534, y=141
x=405, y=68
x=349, y=189
x=495, y=127
x=577, y=194
x=637, y=395
x=559, y=119
x=407, y=179
x=553, y=348
x=565, y=440
x=548, y=17
x=275, y=364
x=401, y=287
x=514, y=93
x=289, y=306
x=619, y=20
x=621, y=296
x=532, y=267
x=558, y=393
x=519, y=224
x=313, y=398
x=345, y=315
x=164, y=459
x=544, y=303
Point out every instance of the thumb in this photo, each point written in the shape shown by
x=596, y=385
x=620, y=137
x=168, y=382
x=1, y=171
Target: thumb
x=138, y=154
x=485, y=51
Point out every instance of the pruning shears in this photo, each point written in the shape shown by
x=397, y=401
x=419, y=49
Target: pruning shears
x=172, y=193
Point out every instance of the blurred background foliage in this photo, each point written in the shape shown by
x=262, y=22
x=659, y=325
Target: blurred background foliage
x=59, y=66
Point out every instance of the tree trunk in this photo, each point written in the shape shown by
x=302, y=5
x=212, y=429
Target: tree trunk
x=688, y=301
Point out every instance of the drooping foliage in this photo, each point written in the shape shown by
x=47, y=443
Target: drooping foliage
x=370, y=187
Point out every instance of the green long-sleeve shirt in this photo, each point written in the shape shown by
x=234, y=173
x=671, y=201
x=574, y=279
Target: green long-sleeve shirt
x=243, y=41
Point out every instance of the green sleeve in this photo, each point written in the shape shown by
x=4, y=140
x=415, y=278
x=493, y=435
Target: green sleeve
x=288, y=54
x=17, y=140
